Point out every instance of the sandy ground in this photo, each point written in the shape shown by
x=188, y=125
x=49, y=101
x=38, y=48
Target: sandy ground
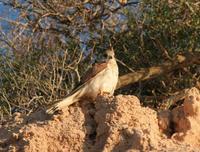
x=110, y=124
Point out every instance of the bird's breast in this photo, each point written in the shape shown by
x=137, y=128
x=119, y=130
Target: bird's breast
x=105, y=81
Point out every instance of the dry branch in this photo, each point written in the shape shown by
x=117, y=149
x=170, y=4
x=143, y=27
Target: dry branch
x=180, y=61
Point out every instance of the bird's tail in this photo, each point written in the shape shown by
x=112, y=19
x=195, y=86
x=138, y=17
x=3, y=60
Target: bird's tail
x=74, y=97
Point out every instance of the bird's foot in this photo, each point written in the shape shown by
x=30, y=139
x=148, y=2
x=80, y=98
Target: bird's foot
x=104, y=93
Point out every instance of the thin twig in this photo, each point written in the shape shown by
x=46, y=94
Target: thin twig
x=122, y=63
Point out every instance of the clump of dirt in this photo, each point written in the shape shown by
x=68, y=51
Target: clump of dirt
x=183, y=122
x=186, y=119
x=123, y=124
x=117, y=123
x=61, y=133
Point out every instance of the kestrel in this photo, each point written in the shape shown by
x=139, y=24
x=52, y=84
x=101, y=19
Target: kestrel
x=101, y=78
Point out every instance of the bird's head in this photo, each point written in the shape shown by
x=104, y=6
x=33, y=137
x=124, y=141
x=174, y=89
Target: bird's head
x=109, y=54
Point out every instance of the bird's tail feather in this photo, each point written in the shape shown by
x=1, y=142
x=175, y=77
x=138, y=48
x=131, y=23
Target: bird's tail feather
x=65, y=102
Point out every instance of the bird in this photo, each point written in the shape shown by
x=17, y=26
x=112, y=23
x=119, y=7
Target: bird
x=101, y=79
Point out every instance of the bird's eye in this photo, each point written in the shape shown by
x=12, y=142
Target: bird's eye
x=105, y=55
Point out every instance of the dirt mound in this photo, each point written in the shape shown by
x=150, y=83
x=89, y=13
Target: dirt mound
x=184, y=120
x=109, y=124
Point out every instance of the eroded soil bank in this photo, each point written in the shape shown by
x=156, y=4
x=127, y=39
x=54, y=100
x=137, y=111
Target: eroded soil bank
x=117, y=123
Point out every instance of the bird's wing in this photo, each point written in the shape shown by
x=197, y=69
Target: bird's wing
x=92, y=72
